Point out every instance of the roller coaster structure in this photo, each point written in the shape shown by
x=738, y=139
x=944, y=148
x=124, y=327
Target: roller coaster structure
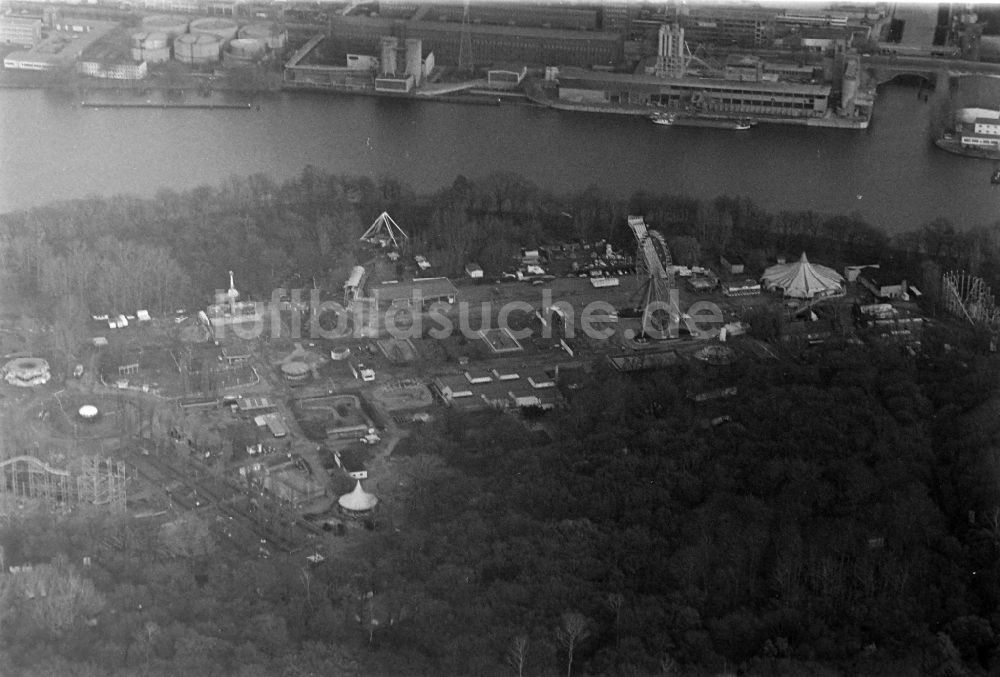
x=89, y=480
x=968, y=297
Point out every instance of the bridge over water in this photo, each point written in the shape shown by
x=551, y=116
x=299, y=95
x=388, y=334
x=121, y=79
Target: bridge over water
x=935, y=70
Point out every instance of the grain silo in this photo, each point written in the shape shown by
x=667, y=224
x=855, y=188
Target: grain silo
x=224, y=29
x=414, y=59
x=272, y=35
x=161, y=23
x=192, y=48
x=389, y=46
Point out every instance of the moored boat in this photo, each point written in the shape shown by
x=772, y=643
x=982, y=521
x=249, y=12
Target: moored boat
x=740, y=124
x=662, y=118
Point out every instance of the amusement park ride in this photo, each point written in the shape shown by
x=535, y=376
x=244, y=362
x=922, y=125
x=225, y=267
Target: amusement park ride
x=657, y=298
x=969, y=298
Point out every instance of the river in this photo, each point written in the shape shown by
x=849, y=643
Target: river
x=51, y=149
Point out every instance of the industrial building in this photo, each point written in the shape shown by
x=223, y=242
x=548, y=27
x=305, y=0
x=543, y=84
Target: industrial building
x=18, y=31
x=750, y=88
x=706, y=23
x=523, y=15
x=422, y=290
x=394, y=76
x=490, y=44
x=62, y=46
x=112, y=71
x=783, y=99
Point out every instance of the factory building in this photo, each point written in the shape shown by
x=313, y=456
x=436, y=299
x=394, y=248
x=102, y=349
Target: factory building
x=490, y=44
x=705, y=23
x=523, y=15
x=18, y=31
x=397, y=76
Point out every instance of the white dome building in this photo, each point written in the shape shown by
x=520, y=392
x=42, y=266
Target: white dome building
x=358, y=502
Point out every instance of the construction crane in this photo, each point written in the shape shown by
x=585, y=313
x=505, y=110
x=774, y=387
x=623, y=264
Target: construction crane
x=660, y=314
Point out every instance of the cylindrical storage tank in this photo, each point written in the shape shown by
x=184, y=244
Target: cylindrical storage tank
x=192, y=48
x=224, y=29
x=156, y=55
x=162, y=23
x=155, y=40
x=246, y=48
x=274, y=37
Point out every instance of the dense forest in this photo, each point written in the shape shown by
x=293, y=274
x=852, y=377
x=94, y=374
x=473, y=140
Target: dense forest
x=842, y=516
x=844, y=520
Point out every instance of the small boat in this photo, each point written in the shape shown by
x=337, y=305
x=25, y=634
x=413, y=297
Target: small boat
x=714, y=122
x=995, y=178
x=661, y=118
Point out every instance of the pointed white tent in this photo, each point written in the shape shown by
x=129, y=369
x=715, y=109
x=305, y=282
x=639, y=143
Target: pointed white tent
x=358, y=500
x=803, y=280
x=383, y=231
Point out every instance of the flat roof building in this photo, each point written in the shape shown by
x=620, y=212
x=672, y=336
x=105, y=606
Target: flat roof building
x=712, y=24
x=420, y=291
x=19, y=31
x=785, y=99
x=490, y=44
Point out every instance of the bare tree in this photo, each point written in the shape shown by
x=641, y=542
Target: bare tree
x=572, y=631
x=517, y=653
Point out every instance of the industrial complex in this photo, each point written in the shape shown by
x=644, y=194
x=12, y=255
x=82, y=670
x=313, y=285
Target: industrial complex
x=702, y=65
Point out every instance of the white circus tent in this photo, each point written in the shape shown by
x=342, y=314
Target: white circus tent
x=358, y=501
x=803, y=280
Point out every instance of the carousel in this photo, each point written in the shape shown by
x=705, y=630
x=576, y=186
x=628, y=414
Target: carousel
x=27, y=372
x=358, y=503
